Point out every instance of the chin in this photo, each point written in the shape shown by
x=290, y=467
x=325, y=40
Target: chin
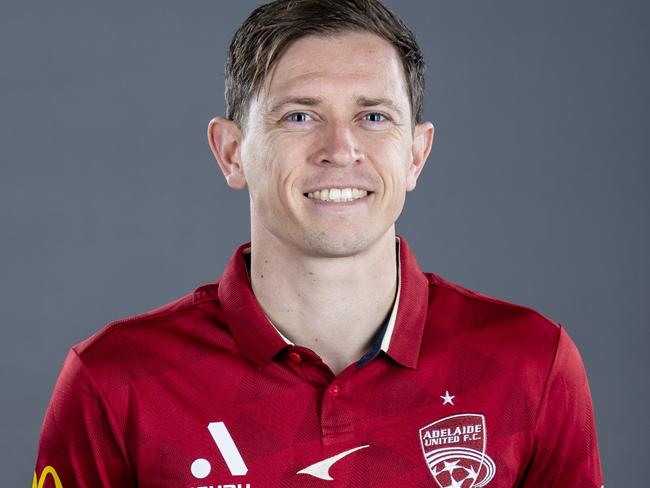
x=327, y=245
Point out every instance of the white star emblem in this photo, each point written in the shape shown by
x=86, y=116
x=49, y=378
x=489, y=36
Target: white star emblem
x=456, y=483
x=447, y=398
x=451, y=467
x=471, y=473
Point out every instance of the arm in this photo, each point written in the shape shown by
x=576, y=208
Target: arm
x=80, y=443
x=566, y=447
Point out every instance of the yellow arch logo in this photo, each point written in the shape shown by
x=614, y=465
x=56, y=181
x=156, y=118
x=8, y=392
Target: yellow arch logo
x=47, y=471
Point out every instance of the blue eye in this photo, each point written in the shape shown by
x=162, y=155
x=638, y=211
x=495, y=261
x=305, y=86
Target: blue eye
x=298, y=117
x=375, y=117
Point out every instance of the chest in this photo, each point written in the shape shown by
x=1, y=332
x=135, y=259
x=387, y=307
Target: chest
x=300, y=427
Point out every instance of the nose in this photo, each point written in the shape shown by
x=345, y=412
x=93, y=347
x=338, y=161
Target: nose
x=339, y=145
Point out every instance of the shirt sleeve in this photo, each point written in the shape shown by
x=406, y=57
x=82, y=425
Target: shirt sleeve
x=80, y=444
x=566, y=446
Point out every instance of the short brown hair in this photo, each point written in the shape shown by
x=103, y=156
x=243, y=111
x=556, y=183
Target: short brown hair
x=270, y=28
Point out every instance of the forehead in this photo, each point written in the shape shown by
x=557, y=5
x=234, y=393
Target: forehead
x=359, y=63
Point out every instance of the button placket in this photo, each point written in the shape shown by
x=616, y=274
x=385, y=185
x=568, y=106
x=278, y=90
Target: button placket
x=337, y=421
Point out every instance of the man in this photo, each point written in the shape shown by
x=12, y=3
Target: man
x=323, y=356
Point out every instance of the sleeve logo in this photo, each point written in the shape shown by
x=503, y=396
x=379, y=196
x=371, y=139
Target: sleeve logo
x=454, y=449
x=48, y=471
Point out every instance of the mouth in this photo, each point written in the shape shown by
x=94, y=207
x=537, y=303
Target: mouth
x=338, y=195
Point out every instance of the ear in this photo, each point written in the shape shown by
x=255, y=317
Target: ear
x=422, y=141
x=224, y=137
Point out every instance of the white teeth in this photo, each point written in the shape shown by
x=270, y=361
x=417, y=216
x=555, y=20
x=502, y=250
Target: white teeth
x=338, y=194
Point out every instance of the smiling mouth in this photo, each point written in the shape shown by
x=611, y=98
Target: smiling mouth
x=338, y=194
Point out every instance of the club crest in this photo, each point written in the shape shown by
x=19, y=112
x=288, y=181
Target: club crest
x=454, y=449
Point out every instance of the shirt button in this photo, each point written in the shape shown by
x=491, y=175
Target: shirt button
x=295, y=357
x=334, y=390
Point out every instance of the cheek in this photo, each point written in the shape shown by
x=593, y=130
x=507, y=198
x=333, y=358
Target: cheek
x=271, y=168
x=394, y=162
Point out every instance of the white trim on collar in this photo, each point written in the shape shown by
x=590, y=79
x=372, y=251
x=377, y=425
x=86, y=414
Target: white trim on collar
x=385, y=342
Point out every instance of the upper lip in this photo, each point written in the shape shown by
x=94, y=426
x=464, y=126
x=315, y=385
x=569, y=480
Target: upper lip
x=339, y=186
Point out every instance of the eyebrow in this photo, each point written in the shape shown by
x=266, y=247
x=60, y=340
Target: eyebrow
x=312, y=101
x=374, y=102
x=308, y=101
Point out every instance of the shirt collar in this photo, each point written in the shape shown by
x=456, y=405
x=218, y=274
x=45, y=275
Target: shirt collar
x=260, y=341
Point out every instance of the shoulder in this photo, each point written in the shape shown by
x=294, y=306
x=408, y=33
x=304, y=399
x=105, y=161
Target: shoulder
x=487, y=340
x=157, y=340
x=503, y=327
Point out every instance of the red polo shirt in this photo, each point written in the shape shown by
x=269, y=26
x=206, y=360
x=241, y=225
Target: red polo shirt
x=466, y=391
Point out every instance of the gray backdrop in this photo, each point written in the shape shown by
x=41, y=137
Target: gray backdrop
x=535, y=190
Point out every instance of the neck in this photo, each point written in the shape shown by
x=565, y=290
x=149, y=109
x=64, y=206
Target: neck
x=333, y=306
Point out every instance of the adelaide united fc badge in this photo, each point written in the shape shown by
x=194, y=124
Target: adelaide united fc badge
x=455, y=451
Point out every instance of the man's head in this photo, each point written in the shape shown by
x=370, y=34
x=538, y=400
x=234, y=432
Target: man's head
x=271, y=28
x=329, y=148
